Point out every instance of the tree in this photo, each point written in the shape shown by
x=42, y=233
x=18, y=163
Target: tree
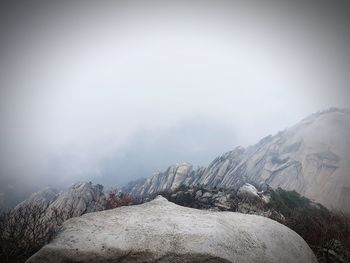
x=25, y=229
x=115, y=200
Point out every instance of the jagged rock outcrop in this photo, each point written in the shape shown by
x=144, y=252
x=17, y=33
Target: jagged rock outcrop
x=160, y=231
x=78, y=199
x=42, y=198
x=311, y=158
x=169, y=180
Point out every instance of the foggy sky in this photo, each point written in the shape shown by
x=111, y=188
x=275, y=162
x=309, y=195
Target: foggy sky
x=111, y=92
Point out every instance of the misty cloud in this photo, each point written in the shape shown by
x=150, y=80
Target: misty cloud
x=196, y=140
x=116, y=91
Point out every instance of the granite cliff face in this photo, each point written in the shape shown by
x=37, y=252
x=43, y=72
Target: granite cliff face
x=43, y=198
x=78, y=199
x=170, y=179
x=312, y=158
x=160, y=231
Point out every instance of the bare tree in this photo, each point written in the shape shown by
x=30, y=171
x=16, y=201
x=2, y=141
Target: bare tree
x=25, y=230
x=115, y=199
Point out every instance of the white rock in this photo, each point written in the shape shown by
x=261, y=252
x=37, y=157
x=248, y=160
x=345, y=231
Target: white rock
x=42, y=198
x=80, y=198
x=207, y=195
x=248, y=190
x=182, y=170
x=160, y=231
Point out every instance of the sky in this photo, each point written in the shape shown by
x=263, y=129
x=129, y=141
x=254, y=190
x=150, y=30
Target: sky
x=112, y=91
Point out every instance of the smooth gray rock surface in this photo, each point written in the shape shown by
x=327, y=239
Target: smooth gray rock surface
x=160, y=231
x=247, y=190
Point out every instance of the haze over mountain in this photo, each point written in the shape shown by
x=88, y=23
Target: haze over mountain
x=112, y=91
x=106, y=104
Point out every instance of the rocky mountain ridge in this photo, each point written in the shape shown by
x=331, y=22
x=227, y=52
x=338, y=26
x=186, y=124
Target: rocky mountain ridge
x=311, y=157
x=80, y=198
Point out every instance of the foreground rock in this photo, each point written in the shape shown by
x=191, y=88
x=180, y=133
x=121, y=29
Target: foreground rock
x=160, y=231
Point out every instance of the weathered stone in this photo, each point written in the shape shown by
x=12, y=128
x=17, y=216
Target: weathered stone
x=248, y=190
x=160, y=231
x=78, y=199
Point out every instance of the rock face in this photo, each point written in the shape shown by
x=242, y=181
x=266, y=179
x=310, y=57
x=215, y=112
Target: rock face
x=42, y=198
x=312, y=158
x=80, y=198
x=247, y=190
x=160, y=231
x=172, y=178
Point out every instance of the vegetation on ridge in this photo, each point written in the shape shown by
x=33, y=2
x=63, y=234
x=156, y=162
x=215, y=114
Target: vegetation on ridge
x=25, y=231
x=326, y=232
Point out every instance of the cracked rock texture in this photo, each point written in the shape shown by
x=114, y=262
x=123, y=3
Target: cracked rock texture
x=78, y=199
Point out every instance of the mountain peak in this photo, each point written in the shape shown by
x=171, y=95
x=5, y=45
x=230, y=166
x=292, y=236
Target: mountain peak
x=311, y=157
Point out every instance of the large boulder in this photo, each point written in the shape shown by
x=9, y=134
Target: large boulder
x=248, y=190
x=160, y=231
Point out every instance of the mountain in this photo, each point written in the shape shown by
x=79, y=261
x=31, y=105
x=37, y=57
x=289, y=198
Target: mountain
x=311, y=157
x=161, y=231
x=78, y=199
x=42, y=198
